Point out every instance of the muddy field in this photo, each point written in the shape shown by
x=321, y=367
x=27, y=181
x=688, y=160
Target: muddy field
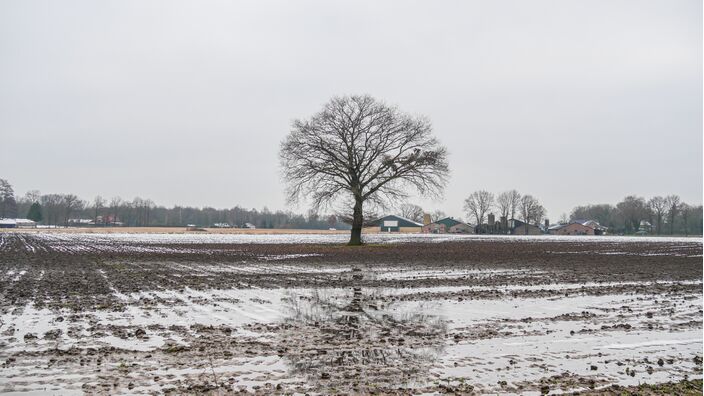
x=408, y=314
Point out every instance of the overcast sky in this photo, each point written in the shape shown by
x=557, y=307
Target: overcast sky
x=574, y=102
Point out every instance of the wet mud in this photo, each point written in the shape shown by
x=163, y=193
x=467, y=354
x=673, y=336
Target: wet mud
x=106, y=316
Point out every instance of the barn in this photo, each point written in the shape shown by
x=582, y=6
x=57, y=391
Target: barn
x=573, y=228
x=518, y=227
x=578, y=227
x=393, y=223
x=8, y=223
x=448, y=225
x=17, y=223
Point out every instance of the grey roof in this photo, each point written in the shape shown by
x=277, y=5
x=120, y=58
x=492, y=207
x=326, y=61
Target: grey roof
x=587, y=223
x=448, y=221
x=400, y=218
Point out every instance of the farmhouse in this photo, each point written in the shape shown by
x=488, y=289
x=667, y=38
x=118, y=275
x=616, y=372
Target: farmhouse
x=393, y=223
x=448, y=225
x=517, y=227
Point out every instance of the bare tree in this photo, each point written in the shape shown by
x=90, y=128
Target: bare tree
x=51, y=203
x=360, y=148
x=115, y=203
x=659, y=207
x=332, y=221
x=478, y=204
x=673, y=206
x=686, y=211
x=412, y=212
x=71, y=203
x=507, y=203
x=32, y=196
x=539, y=214
x=531, y=210
x=370, y=218
x=605, y=214
x=437, y=215
x=632, y=210
x=142, y=209
x=98, y=203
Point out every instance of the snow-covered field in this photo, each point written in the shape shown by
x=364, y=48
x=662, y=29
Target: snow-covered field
x=155, y=242
x=603, y=339
x=181, y=313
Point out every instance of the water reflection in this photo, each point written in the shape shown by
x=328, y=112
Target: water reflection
x=361, y=340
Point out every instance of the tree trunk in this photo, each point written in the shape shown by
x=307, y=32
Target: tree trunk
x=686, y=228
x=357, y=222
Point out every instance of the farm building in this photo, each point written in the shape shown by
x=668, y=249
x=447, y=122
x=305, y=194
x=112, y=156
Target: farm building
x=492, y=226
x=448, y=225
x=644, y=228
x=393, y=223
x=81, y=222
x=578, y=227
x=573, y=228
x=17, y=223
x=598, y=228
x=517, y=227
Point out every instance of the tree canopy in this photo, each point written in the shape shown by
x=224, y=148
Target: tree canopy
x=358, y=150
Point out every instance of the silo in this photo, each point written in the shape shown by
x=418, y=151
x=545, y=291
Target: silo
x=426, y=218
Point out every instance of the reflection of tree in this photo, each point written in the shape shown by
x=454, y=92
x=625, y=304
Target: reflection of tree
x=360, y=342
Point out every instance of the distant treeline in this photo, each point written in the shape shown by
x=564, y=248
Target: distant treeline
x=66, y=209
x=657, y=215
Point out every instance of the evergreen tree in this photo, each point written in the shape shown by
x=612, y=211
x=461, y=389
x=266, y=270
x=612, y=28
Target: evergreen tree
x=35, y=212
x=8, y=206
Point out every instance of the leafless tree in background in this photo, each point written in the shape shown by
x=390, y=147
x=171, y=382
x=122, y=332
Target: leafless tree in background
x=50, y=202
x=539, y=214
x=685, y=211
x=478, y=204
x=142, y=210
x=507, y=202
x=32, y=196
x=361, y=148
x=437, y=215
x=71, y=203
x=532, y=212
x=332, y=220
x=98, y=203
x=115, y=203
x=412, y=212
x=605, y=214
x=673, y=207
x=632, y=210
x=312, y=214
x=659, y=207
